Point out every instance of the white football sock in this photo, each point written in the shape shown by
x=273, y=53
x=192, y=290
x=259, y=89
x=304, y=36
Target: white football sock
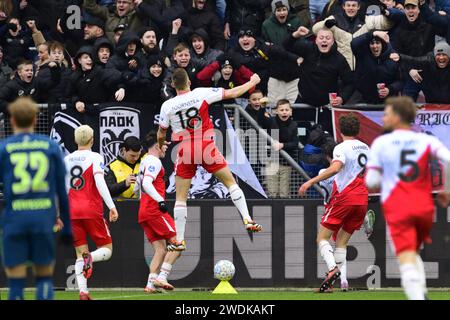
x=180, y=216
x=101, y=254
x=165, y=271
x=340, y=255
x=326, y=251
x=81, y=280
x=411, y=281
x=151, y=277
x=238, y=198
x=423, y=277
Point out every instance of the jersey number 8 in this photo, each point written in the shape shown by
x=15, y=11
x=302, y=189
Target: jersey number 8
x=76, y=179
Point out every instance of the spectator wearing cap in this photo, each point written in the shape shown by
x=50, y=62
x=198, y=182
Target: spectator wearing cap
x=125, y=13
x=16, y=42
x=92, y=84
x=125, y=57
x=243, y=13
x=435, y=72
x=226, y=72
x=324, y=70
x=200, y=18
x=121, y=173
x=437, y=19
x=118, y=32
x=149, y=44
x=94, y=29
x=269, y=61
x=280, y=24
x=104, y=50
x=5, y=70
x=200, y=50
x=348, y=25
x=414, y=37
x=376, y=75
x=145, y=86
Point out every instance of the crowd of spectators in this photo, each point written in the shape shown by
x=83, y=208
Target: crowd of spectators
x=315, y=52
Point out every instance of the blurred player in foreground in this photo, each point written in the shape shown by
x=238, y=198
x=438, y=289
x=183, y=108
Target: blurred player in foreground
x=32, y=172
x=87, y=187
x=399, y=162
x=327, y=186
x=157, y=224
x=348, y=201
x=188, y=117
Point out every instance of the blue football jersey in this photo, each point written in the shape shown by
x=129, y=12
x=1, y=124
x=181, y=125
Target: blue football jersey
x=33, y=175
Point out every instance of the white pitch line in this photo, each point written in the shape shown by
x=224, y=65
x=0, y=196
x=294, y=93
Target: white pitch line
x=125, y=297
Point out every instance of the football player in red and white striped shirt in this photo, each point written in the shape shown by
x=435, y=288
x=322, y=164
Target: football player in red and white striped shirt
x=399, y=162
x=347, y=206
x=188, y=117
x=87, y=190
x=158, y=225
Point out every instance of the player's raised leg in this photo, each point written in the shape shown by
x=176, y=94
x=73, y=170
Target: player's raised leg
x=83, y=270
x=166, y=268
x=237, y=196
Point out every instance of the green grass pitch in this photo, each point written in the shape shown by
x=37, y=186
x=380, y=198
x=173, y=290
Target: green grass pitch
x=242, y=295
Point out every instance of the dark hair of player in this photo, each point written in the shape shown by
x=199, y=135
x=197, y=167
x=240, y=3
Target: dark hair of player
x=404, y=107
x=180, y=79
x=23, y=110
x=283, y=102
x=349, y=125
x=150, y=139
x=132, y=143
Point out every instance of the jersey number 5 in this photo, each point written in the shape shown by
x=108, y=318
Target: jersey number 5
x=405, y=162
x=22, y=161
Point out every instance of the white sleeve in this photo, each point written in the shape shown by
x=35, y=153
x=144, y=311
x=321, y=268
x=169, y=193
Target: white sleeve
x=373, y=167
x=212, y=95
x=152, y=169
x=338, y=154
x=164, y=121
x=99, y=177
x=439, y=150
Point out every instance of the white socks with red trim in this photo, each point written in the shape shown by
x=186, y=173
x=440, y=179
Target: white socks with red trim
x=165, y=271
x=238, y=198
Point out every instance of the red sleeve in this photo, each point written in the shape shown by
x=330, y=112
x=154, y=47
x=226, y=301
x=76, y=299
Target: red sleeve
x=243, y=75
x=205, y=76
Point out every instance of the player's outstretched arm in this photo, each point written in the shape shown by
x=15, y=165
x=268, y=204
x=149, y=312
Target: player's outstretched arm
x=333, y=169
x=240, y=90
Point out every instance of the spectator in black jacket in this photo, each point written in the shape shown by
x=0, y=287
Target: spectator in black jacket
x=323, y=71
x=268, y=61
x=25, y=85
x=149, y=44
x=16, y=42
x=278, y=173
x=121, y=173
x=376, y=76
x=240, y=13
x=414, y=37
x=126, y=56
x=92, y=84
x=254, y=104
x=436, y=72
x=200, y=18
x=145, y=86
x=61, y=74
x=181, y=59
x=103, y=49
